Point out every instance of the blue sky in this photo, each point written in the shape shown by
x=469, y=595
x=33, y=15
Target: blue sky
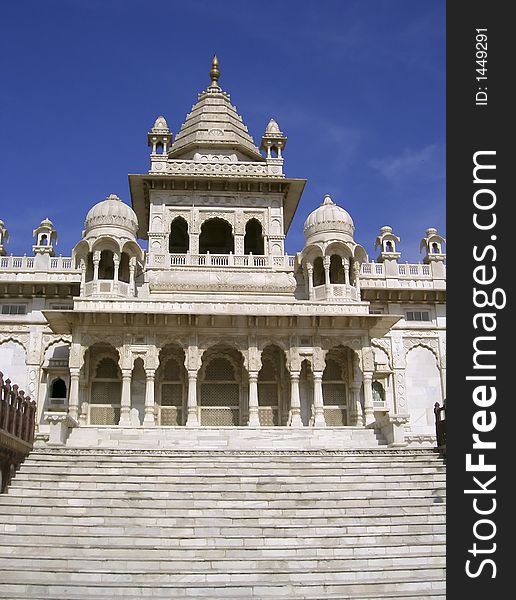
x=358, y=86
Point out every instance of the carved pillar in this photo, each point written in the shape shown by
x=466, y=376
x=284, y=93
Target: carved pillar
x=82, y=266
x=73, y=405
x=327, y=286
x=125, y=403
x=356, y=273
x=368, y=398
x=254, y=418
x=96, y=262
x=83, y=395
x=132, y=269
x=310, y=280
x=345, y=264
x=355, y=414
x=295, y=401
x=192, y=419
x=116, y=263
x=319, y=420
x=149, y=419
x=398, y=377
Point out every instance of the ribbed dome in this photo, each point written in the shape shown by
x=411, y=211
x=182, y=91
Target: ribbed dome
x=112, y=212
x=329, y=218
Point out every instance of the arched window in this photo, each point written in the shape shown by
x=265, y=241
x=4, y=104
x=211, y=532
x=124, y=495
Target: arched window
x=172, y=394
x=435, y=248
x=43, y=241
x=336, y=269
x=378, y=392
x=89, y=267
x=106, y=265
x=319, y=274
x=334, y=393
x=58, y=389
x=253, y=240
x=106, y=390
x=123, y=269
x=216, y=237
x=220, y=393
x=388, y=247
x=178, y=241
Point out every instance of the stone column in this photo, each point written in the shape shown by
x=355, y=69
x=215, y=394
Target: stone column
x=355, y=414
x=254, y=417
x=125, y=403
x=83, y=395
x=192, y=419
x=356, y=273
x=148, y=419
x=295, y=401
x=345, y=264
x=319, y=420
x=132, y=269
x=82, y=265
x=116, y=263
x=327, y=286
x=368, y=398
x=96, y=262
x=73, y=403
x=310, y=280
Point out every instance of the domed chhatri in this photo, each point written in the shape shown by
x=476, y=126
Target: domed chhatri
x=111, y=212
x=329, y=219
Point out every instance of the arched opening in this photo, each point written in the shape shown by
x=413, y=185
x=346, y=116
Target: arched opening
x=253, y=239
x=273, y=389
x=105, y=389
x=171, y=388
x=423, y=381
x=178, y=241
x=106, y=265
x=334, y=387
x=216, y=237
x=378, y=393
x=306, y=392
x=89, y=267
x=319, y=274
x=123, y=269
x=58, y=388
x=435, y=248
x=221, y=387
x=389, y=247
x=336, y=269
x=43, y=240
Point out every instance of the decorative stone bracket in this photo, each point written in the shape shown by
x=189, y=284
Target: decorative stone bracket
x=60, y=424
x=392, y=427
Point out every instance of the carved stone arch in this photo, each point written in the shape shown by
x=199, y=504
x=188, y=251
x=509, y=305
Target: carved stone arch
x=22, y=340
x=283, y=344
x=221, y=351
x=310, y=253
x=49, y=342
x=384, y=346
x=432, y=345
x=223, y=216
x=105, y=242
x=99, y=358
x=338, y=247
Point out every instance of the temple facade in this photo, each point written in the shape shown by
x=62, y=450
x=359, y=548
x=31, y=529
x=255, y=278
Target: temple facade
x=213, y=325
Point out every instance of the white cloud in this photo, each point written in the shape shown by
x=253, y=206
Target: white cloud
x=426, y=163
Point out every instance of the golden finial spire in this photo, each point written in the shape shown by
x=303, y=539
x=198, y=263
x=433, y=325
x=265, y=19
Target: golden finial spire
x=214, y=72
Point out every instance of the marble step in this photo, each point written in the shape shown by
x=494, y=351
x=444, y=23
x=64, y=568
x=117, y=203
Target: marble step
x=431, y=588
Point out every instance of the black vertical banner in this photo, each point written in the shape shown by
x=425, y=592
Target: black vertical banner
x=481, y=371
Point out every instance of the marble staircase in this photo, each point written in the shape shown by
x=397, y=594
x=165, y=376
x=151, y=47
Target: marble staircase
x=81, y=523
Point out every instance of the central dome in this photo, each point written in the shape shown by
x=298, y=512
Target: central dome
x=112, y=212
x=327, y=221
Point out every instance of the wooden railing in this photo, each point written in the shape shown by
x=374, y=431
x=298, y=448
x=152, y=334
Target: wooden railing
x=440, y=425
x=17, y=423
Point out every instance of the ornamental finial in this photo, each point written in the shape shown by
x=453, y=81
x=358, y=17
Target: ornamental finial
x=214, y=71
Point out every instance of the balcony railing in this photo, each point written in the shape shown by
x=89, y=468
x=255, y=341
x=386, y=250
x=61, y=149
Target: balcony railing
x=17, y=422
x=373, y=270
x=283, y=263
x=26, y=263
